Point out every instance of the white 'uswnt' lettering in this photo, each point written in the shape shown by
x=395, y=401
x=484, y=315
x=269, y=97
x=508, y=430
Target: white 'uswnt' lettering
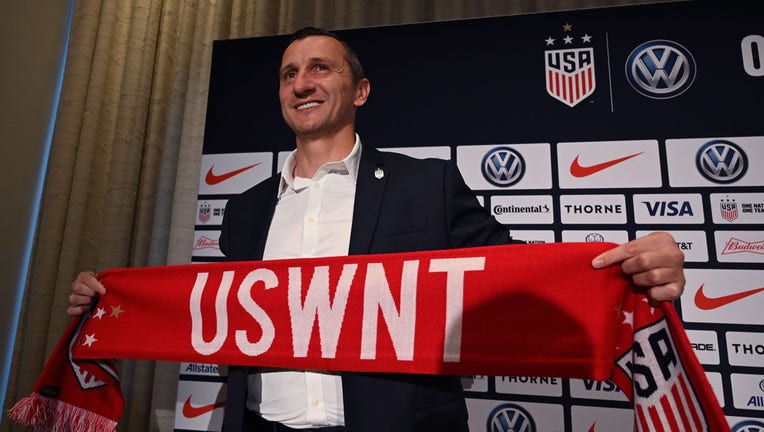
x=455, y=269
x=401, y=324
x=400, y=321
x=317, y=304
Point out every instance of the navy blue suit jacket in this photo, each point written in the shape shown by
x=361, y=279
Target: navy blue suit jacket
x=416, y=205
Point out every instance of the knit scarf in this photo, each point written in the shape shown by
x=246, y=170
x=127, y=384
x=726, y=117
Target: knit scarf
x=518, y=310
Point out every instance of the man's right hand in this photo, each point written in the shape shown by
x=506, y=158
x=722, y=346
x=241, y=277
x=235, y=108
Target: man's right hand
x=84, y=290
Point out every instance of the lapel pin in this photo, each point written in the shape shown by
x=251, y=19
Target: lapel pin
x=378, y=173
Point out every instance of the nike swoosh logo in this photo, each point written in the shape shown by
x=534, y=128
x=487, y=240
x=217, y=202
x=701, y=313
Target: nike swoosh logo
x=578, y=170
x=190, y=411
x=213, y=179
x=702, y=301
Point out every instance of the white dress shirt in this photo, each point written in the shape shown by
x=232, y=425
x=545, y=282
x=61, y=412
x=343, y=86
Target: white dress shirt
x=313, y=218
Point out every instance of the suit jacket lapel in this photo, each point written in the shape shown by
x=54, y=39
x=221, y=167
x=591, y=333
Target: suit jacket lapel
x=262, y=218
x=368, y=200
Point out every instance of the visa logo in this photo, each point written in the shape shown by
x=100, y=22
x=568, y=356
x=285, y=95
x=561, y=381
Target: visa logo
x=669, y=208
x=604, y=386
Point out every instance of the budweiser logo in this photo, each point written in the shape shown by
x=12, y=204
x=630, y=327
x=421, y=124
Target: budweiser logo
x=735, y=245
x=205, y=242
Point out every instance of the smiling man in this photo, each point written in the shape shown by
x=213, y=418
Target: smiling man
x=336, y=196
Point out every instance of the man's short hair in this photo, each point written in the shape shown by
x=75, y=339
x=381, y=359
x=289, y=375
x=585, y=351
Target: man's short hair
x=351, y=58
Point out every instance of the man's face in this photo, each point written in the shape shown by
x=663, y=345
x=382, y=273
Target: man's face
x=317, y=93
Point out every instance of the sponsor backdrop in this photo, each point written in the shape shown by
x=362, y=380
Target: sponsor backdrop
x=595, y=125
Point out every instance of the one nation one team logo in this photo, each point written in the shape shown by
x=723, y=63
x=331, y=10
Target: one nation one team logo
x=570, y=70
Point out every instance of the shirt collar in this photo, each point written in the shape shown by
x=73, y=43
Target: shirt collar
x=350, y=164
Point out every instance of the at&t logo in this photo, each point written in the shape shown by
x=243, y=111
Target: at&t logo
x=721, y=161
x=660, y=69
x=510, y=418
x=503, y=166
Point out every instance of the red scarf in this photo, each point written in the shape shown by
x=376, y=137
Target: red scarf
x=527, y=310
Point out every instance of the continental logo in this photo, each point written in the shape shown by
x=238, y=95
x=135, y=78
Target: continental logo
x=541, y=209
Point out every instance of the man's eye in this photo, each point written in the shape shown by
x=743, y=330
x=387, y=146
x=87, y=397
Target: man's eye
x=288, y=75
x=321, y=68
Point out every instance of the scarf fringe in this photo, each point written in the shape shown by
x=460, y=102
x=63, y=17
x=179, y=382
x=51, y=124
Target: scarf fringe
x=43, y=414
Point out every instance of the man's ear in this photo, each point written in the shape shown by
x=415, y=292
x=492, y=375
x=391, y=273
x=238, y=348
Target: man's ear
x=362, y=90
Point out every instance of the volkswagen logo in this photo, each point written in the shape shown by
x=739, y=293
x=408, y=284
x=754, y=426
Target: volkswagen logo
x=510, y=418
x=749, y=426
x=660, y=69
x=503, y=166
x=721, y=161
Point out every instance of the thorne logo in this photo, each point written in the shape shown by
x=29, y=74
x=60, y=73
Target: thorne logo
x=570, y=71
x=745, y=349
x=668, y=208
x=594, y=209
x=540, y=386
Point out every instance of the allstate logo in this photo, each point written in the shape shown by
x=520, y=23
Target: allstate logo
x=721, y=161
x=503, y=166
x=660, y=69
x=748, y=426
x=510, y=418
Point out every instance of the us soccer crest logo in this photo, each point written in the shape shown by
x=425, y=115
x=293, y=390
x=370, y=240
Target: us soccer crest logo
x=728, y=209
x=204, y=212
x=570, y=70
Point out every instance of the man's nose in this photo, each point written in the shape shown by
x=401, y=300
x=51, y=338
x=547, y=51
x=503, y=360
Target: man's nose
x=303, y=83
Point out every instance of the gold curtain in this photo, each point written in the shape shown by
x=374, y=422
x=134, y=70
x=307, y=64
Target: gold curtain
x=122, y=179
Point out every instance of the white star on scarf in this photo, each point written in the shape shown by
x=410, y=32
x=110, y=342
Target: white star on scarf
x=89, y=339
x=99, y=313
x=652, y=309
x=628, y=318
